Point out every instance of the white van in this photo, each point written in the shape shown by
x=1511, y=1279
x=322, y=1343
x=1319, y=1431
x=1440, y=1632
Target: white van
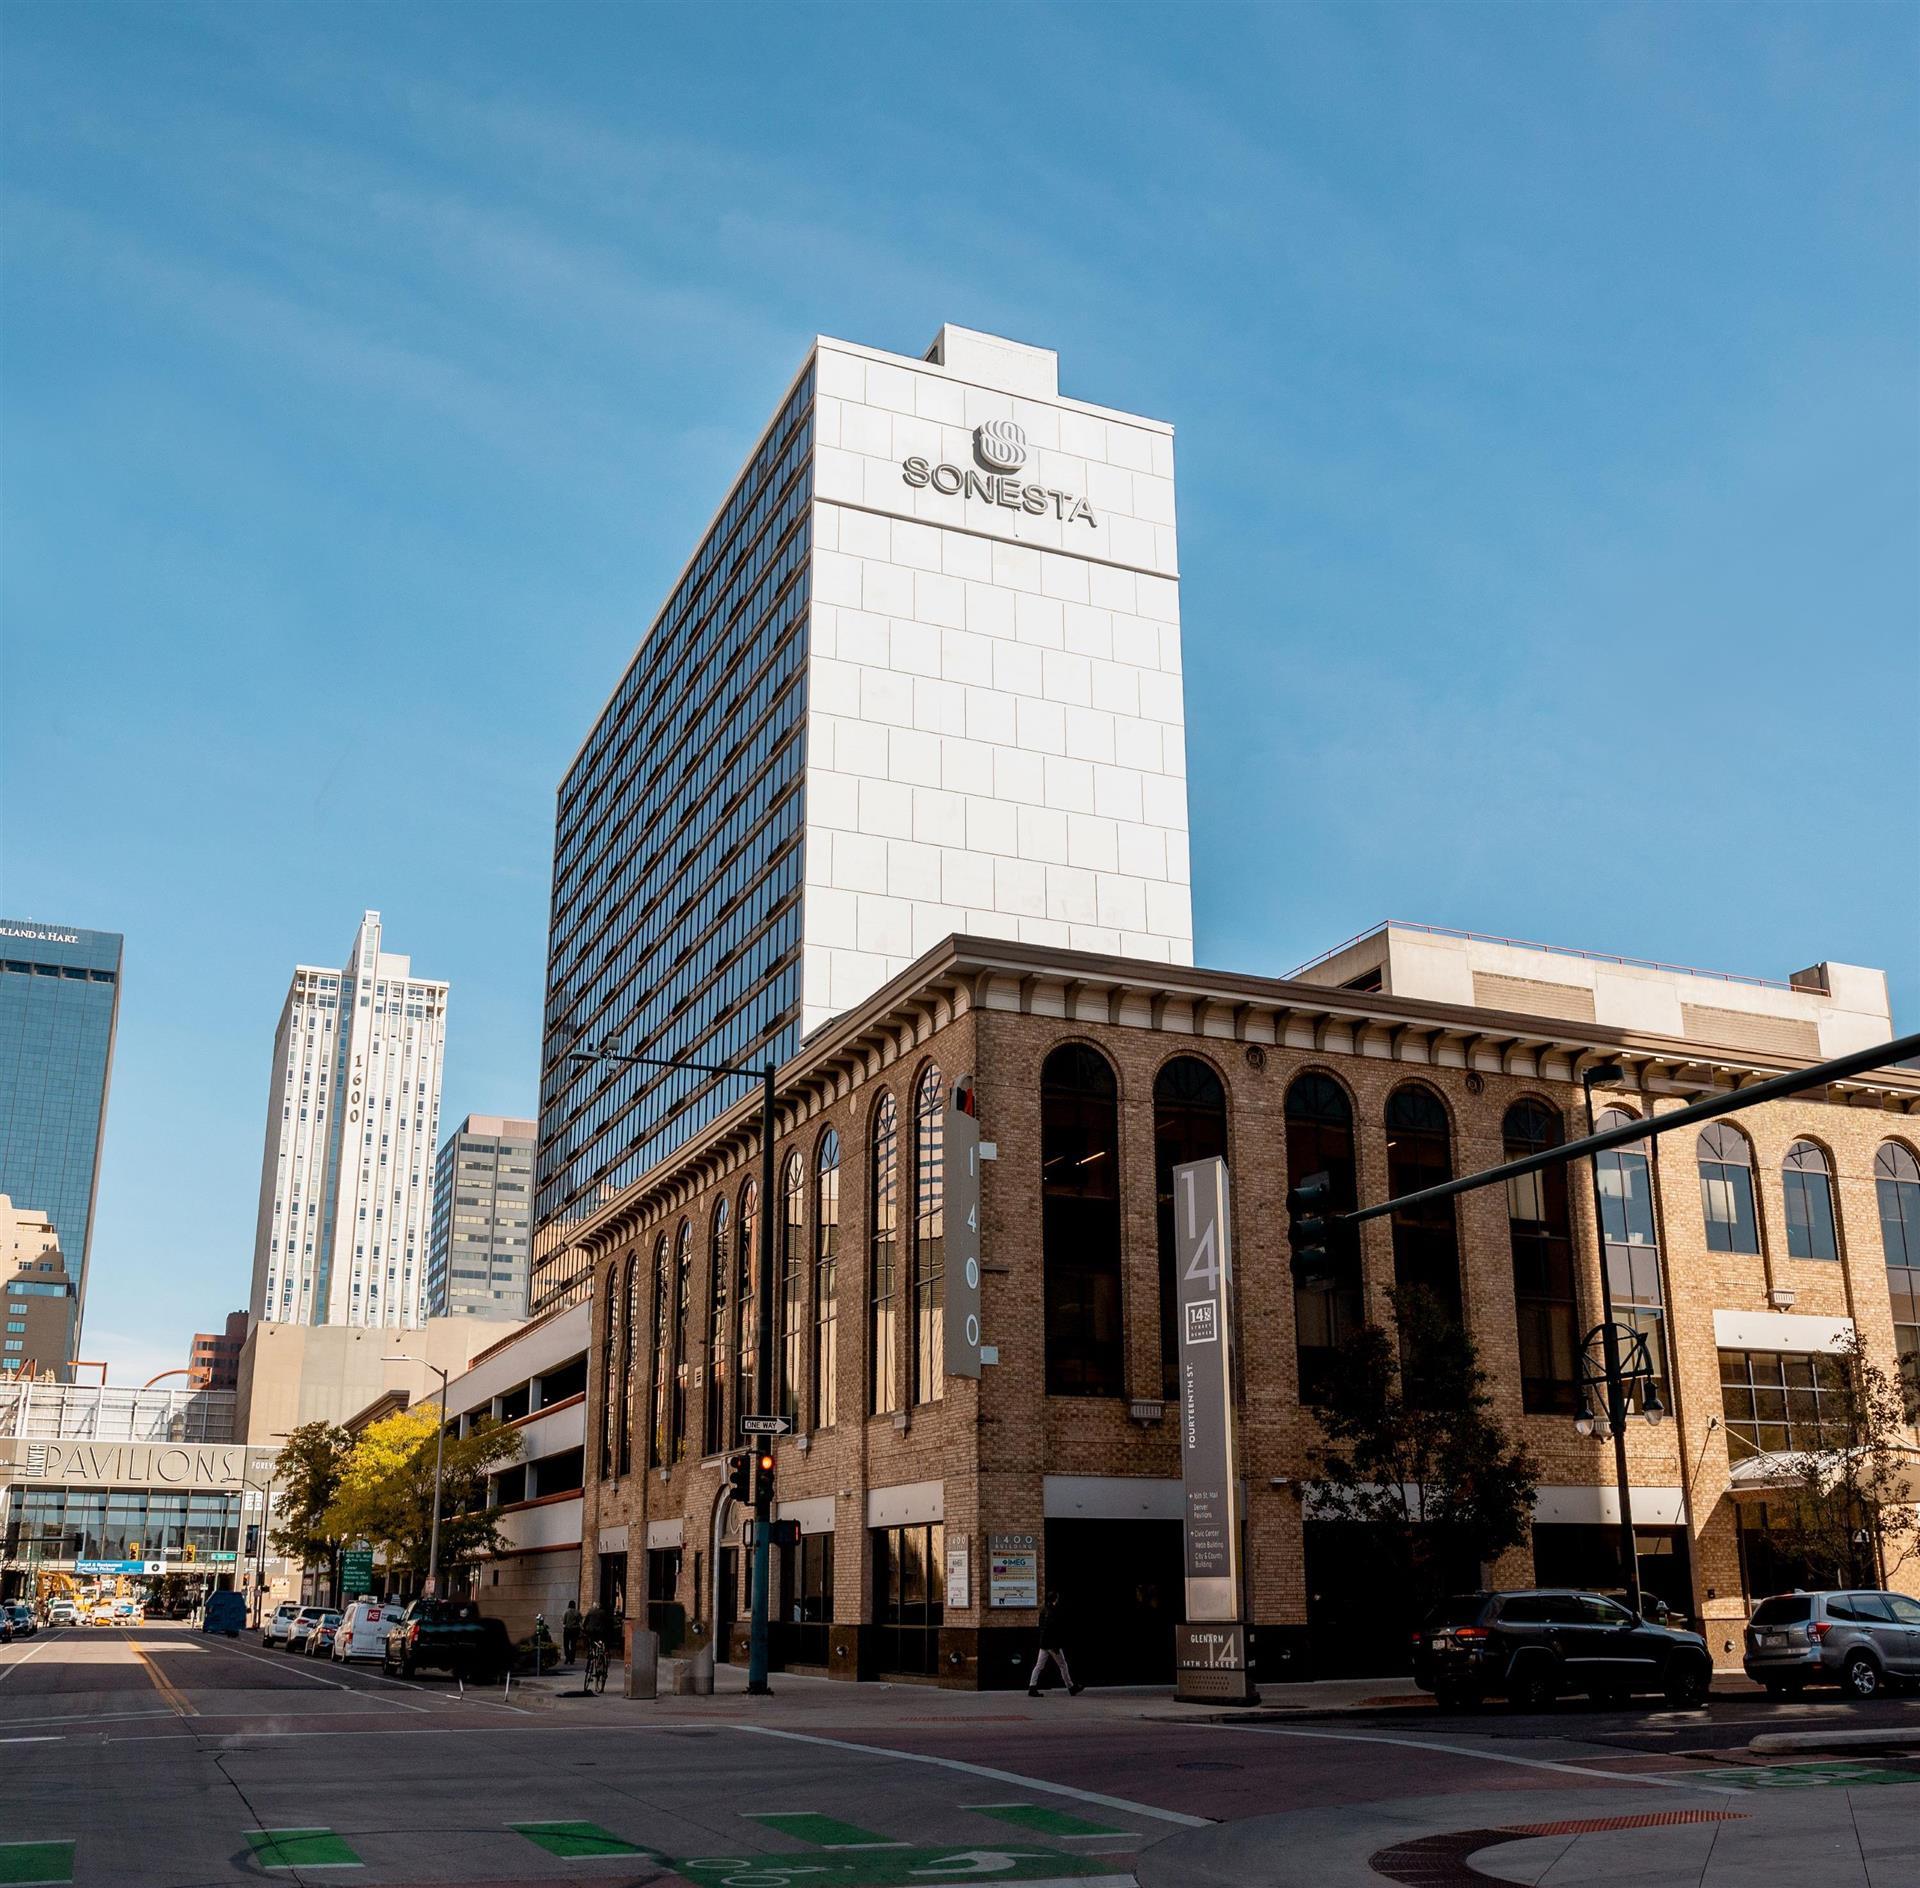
x=363, y=1630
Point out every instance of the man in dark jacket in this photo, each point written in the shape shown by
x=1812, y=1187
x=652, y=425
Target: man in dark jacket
x=1053, y=1644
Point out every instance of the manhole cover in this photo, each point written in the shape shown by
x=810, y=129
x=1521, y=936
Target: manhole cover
x=1209, y=1766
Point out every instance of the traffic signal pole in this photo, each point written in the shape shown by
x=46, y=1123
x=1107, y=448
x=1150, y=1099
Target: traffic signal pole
x=757, y=1685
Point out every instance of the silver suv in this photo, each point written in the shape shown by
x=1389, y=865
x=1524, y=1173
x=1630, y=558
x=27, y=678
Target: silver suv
x=1861, y=1640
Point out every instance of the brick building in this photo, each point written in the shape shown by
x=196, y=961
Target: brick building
x=1405, y=1057
x=214, y=1361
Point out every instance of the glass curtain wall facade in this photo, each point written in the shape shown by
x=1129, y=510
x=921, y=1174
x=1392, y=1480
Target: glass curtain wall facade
x=676, y=919
x=59, y=1004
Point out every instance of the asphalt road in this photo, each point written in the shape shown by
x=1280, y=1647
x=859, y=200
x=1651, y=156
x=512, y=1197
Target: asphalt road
x=157, y=1756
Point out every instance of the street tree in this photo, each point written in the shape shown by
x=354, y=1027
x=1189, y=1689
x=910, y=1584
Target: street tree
x=385, y=1495
x=306, y=1480
x=1845, y=1516
x=1414, y=1450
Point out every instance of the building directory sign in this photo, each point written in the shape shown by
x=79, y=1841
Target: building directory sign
x=1013, y=1570
x=961, y=1173
x=1203, y=1256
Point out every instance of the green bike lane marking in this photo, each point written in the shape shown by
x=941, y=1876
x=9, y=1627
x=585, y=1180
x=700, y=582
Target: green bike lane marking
x=35, y=1864
x=824, y=1832
x=572, y=1839
x=301, y=1848
x=1043, y=1821
x=952, y=1863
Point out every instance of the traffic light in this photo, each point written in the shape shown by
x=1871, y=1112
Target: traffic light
x=1308, y=1230
x=740, y=1475
x=763, y=1473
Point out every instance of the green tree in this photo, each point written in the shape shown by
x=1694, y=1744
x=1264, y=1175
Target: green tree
x=306, y=1480
x=386, y=1489
x=1845, y=1514
x=1430, y=1468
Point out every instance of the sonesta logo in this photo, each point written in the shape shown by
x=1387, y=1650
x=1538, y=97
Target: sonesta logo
x=1001, y=447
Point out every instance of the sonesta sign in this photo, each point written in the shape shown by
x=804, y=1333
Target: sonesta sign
x=1001, y=447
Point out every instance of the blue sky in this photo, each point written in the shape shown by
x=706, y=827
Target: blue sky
x=1544, y=379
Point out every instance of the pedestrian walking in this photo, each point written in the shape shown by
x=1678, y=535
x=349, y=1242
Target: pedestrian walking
x=569, y=1631
x=1053, y=1648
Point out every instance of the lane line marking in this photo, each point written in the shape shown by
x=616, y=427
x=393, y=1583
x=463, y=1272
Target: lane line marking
x=161, y=1682
x=59, y=1737
x=1014, y=1777
x=1484, y=1756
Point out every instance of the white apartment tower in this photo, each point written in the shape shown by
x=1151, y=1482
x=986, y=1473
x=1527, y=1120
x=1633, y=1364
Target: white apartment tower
x=353, y=1116
x=921, y=676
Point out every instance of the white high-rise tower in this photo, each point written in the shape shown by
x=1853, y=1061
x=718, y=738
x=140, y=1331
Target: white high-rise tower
x=346, y=1181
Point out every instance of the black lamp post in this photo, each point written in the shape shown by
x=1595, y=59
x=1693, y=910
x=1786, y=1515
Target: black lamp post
x=1614, y=1355
x=757, y=1684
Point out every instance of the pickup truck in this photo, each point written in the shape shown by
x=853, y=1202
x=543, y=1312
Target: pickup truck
x=450, y=1636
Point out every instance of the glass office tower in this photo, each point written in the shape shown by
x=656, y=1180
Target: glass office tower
x=677, y=857
x=59, y=1005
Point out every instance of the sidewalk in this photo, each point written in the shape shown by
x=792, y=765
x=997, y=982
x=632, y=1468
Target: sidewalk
x=824, y=1701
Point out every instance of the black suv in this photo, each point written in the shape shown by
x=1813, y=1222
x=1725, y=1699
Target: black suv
x=1532, y=1647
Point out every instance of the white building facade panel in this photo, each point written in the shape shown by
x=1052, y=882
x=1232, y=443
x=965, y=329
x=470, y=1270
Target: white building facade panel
x=995, y=727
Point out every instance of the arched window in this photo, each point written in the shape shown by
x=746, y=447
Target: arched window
x=929, y=1237
x=1809, y=1193
x=629, y=1360
x=826, y=1284
x=1896, y=1180
x=661, y=1448
x=1632, y=1244
x=793, y=1285
x=719, y=1277
x=1726, y=1189
x=610, y=1409
x=1545, y=1305
x=1189, y=1123
x=682, y=1359
x=746, y=1337
x=1426, y=1244
x=883, y=1220
x=1080, y=1221
x=1320, y=1140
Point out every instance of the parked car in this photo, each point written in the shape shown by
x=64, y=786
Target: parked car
x=302, y=1623
x=448, y=1636
x=63, y=1613
x=225, y=1613
x=24, y=1623
x=1864, y=1640
x=6, y=1629
x=362, y=1632
x=276, y=1625
x=1534, y=1646
x=319, y=1639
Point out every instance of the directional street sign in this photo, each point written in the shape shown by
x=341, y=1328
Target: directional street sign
x=766, y=1425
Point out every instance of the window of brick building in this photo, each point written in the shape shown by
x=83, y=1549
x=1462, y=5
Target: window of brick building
x=1896, y=1179
x=1546, y=1308
x=793, y=1287
x=826, y=1282
x=719, y=1277
x=678, y=1414
x=928, y=1360
x=1632, y=1245
x=1426, y=1242
x=746, y=1317
x=1080, y=1222
x=1726, y=1189
x=1808, y=1188
x=883, y=1220
x=1320, y=1140
x=660, y=1443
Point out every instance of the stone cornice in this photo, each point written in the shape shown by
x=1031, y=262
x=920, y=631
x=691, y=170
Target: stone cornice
x=966, y=974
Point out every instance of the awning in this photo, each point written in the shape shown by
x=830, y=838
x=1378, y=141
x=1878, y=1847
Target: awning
x=1778, y=1470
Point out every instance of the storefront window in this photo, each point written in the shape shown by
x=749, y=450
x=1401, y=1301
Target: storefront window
x=1080, y=1222
x=909, y=1596
x=1541, y=1235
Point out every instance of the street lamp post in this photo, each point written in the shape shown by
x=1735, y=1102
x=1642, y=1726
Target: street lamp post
x=757, y=1685
x=1612, y=1376
x=439, y=1461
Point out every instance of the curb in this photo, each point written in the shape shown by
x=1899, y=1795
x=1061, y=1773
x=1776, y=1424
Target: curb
x=1775, y=1741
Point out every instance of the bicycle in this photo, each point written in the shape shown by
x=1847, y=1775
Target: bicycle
x=595, y=1678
